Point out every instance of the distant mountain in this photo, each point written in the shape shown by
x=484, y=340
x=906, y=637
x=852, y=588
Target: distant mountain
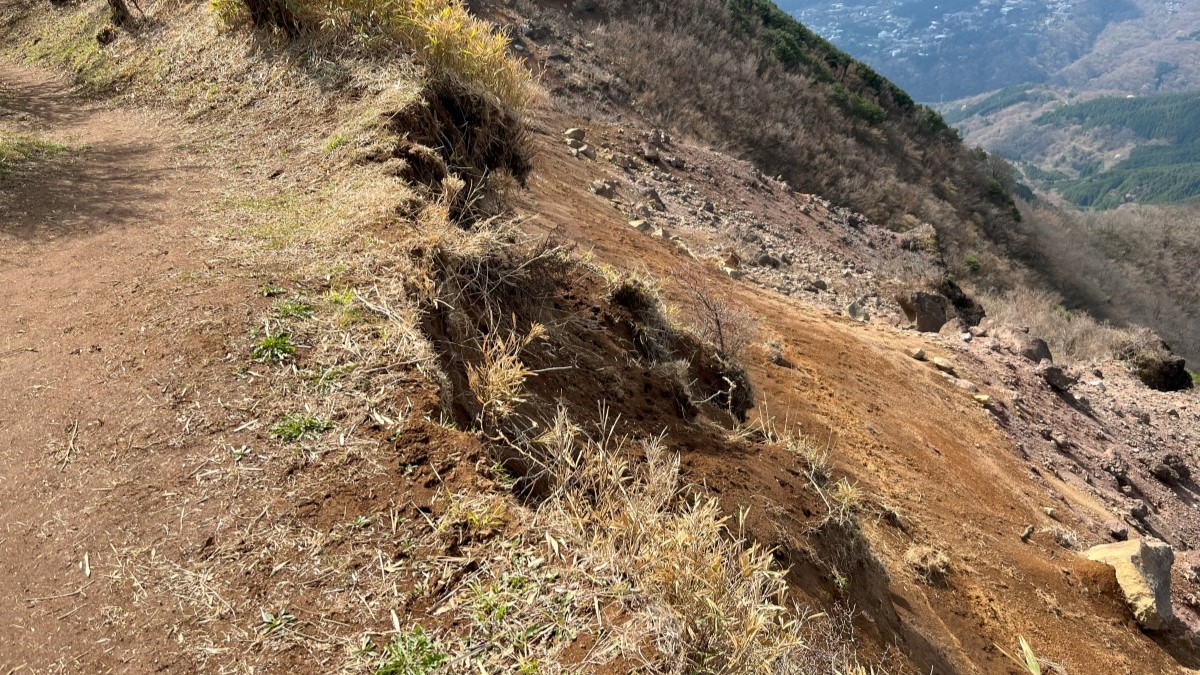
x=941, y=50
x=1095, y=150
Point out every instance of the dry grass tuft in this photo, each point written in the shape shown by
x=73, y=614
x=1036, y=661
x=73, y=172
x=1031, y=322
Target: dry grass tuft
x=931, y=565
x=716, y=603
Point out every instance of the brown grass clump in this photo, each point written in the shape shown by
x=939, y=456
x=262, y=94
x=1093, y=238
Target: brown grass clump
x=716, y=604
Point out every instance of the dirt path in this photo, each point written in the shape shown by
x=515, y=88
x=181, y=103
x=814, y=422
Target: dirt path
x=112, y=325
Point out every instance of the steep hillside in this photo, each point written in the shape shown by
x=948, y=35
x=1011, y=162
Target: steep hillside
x=343, y=348
x=952, y=50
x=747, y=79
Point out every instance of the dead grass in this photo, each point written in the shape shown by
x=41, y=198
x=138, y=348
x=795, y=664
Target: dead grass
x=1073, y=336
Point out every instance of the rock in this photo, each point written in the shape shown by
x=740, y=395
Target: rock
x=929, y=311
x=1161, y=370
x=967, y=337
x=1058, y=379
x=624, y=162
x=603, y=188
x=952, y=328
x=1021, y=343
x=1118, y=531
x=733, y=274
x=588, y=151
x=641, y=225
x=856, y=311
x=918, y=354
x=978, y=331
x=575, y=143
x=650, y=197
x=575, y=134
x=1144, y=573
x=650, y=153
x=819, y=284
x=967, y=386
x=943, y=365
x=966, y=308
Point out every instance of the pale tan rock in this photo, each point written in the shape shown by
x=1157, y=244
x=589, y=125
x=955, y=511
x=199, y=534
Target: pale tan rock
x=1144, y=574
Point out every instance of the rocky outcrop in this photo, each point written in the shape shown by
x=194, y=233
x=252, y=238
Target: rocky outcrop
x=1163, y=371
x=966, y=308
x=1144, y=573
x=929, y=311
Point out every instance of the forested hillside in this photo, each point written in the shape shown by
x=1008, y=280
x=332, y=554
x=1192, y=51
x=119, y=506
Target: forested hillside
x=1164, y=170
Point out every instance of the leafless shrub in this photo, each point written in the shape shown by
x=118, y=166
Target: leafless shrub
x=715, y=319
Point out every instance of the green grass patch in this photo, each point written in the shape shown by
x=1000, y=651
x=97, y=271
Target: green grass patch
x=274, y=348
x=295, y=309
x=298, y=427
x=412, y=653
x=20, y=152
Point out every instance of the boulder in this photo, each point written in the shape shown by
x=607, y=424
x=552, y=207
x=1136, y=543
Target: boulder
x=575, y=143
x=966, y=308
x=857, y=311
x=603, y=188
x=1058, y=379
x=641, y=225
x=1020, y=342
x=1144, y=573
x=929, y=311
x=943, y=365
x=1163, y=372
